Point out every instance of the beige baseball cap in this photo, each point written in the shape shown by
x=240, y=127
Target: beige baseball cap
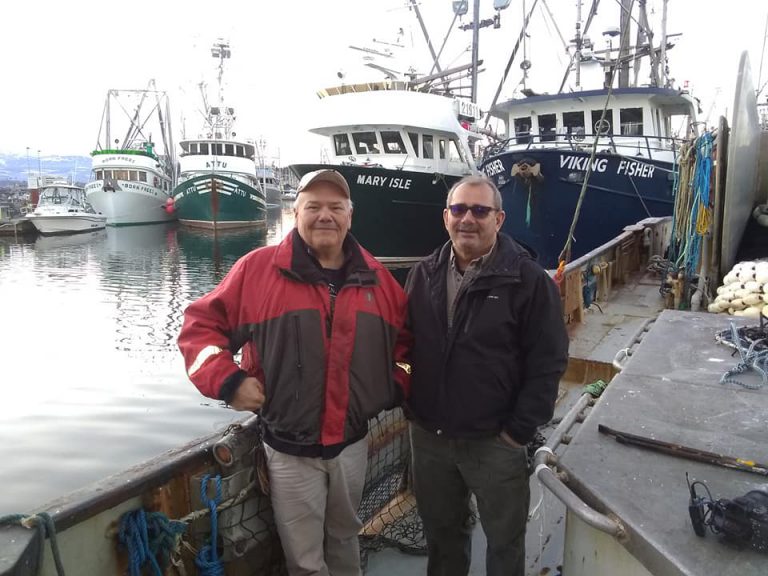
x=326, y=175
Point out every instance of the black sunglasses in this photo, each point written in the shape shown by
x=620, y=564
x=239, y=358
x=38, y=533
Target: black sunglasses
x=478, y=210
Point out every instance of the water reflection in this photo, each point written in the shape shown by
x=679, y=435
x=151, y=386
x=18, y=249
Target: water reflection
x=92, y=381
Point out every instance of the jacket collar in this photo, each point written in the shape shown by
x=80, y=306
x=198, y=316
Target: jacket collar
x=295, y=260
x=505, y=261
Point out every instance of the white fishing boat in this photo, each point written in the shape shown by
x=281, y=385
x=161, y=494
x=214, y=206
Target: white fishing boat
x=131, y=180
x=64, y=209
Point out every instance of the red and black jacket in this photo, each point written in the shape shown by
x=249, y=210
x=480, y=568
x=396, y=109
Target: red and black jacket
x=327, y=364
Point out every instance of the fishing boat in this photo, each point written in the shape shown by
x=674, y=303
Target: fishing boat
x=592, y=159
x=64, y=209
x=131, y=181
x=219, y=187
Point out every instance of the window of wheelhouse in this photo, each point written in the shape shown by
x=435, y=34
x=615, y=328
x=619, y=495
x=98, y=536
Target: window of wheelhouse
x=239, y=151
x=523, y=129
x=204, y=148
x=133, y=175
x=414, y=142
x=392, y=142
x=441, y=148
x=631, y=121
x=142, y=176
x=217, y=149
x=548, y=127
x=454, y=152
x=607, y=125
x=99, y=175
x=229, y=149
x=193, y=149
x=428, y=146
x=365, y=142
x=341, y=145
x=573, y=123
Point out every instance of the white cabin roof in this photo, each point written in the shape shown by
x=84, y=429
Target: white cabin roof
x=401, y=108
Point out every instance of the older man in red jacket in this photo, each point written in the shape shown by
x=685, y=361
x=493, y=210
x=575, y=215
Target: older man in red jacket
x=320, y=323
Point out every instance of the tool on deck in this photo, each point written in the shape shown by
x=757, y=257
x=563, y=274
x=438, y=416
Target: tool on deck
x=686, y=452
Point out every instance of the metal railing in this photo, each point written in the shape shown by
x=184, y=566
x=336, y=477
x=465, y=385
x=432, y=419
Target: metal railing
x=625, y=145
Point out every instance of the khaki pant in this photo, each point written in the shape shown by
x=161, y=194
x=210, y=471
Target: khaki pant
x=315, y=504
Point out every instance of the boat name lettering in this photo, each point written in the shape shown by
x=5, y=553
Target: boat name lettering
x=392, y=182
x=493, y=168
x=126, y=159
x=632, y=168
x=132, y=186
x=215, y=164
x=239, y=192
x=581, y=163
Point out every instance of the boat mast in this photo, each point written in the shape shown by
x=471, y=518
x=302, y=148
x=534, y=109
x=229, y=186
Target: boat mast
x=475, y=48
x=663, y=55
x=416, y=10
x=578, y=40
x=623, y=61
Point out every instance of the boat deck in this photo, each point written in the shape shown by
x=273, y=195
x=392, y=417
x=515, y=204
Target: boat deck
x=605, y=329
x=669, y=390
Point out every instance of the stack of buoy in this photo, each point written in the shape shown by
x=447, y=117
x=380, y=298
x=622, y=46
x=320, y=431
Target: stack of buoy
x=744, y=291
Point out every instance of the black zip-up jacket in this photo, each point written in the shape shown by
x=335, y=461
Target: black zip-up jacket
x=499, y=366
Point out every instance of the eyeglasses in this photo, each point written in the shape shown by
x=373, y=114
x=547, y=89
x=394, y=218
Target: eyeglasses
x=478, y=210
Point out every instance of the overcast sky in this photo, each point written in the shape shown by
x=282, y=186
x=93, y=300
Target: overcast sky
x=59, y=58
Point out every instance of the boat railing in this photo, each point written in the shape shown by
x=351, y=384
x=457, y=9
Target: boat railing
x=593, y=275
x=651, y=147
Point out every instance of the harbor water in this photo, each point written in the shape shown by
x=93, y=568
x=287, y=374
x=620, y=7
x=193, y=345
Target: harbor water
x=92, y=380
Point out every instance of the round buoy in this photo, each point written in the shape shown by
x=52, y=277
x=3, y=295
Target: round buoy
x=169, y=206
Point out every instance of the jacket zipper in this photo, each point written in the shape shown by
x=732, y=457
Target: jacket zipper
x=299, y=363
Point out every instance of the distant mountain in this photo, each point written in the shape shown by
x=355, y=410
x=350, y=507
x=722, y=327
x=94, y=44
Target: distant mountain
x=18, y=166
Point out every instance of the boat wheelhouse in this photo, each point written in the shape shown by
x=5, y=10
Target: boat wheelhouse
x=400, y=150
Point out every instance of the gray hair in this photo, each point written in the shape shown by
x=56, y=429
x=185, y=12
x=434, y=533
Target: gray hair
x=476, y=180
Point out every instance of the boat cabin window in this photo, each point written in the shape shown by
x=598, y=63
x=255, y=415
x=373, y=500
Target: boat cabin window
x=204, y=148
x=631, y=120
x=365, y=142
x=229, y=150
x=341, y=145
x=142, y=176
x=548, y=127
x=607, y=126
x=108, y=174
x=523, y=129
x=428, y=145
x=121, y=174
x=573, y=124
x=99, y=175
x=239, y=152
x=193, y=149
x=441, y=148
x=133, y=175
x=414, y=142
x=216, y=149
x=392, y=142
x=453, y=150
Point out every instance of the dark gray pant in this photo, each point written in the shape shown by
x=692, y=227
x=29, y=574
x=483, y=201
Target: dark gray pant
x=446, y=472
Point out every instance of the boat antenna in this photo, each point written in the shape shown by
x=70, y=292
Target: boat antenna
x=576, y=56
x=221, y=51
x=663, y=53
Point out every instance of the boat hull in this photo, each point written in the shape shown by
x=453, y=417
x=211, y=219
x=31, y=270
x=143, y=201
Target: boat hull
x=219, y=202
x=132, y=204
x=540, y=190
x=397, y=213
x=67, y=224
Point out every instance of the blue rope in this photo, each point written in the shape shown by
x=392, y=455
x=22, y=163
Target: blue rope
x=147, y=537
x=207, y=560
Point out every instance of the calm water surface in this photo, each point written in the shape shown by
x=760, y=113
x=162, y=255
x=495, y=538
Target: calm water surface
x=92, y=381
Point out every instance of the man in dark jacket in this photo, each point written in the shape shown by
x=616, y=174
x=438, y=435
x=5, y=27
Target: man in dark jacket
x=320, y=323
x=490, y=346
